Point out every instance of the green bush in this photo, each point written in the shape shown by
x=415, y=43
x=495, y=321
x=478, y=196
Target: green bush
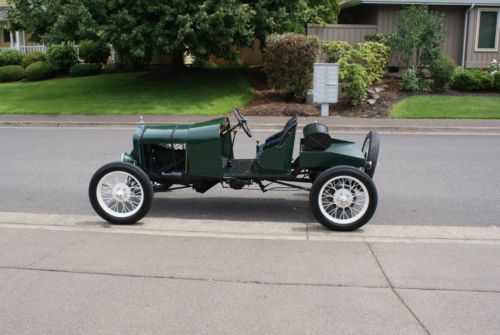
x=82, y=70
x=374, y=57
x=10, y=57
x=472, y=80
x=33, y=58
x=94, y=52
x=39, y=71
x=335, y=50
x=410, y=81
x=379, y=38
x=62, y=56
x=496, y=81
x=356, y=91
x=10, y=73
x=288, y=61
x=441, y=69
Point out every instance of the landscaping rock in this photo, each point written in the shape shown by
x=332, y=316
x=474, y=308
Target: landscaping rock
x=371, y=101
x=379, y=89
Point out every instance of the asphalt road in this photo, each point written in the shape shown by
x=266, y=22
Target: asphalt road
x=421, y=179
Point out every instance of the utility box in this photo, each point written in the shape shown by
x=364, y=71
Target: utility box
x=325, y=85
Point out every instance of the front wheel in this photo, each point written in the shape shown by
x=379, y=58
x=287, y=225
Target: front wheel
x=343, y=198
x=121, y=193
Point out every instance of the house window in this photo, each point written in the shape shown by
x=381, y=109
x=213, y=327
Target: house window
x=487, y=31
x=5, y=36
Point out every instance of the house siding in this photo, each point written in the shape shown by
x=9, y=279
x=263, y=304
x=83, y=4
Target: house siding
x=474, y=58
x=342, y=32
x=3, y=3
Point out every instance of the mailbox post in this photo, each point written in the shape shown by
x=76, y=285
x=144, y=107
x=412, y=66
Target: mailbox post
x=325, y=85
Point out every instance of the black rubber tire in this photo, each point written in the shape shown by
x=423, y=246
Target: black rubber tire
x=370, y=148
x=139, y=174
x=325, y=177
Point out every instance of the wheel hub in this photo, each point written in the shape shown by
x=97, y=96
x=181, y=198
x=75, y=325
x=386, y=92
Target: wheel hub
x=343, y=198
x=121, y=192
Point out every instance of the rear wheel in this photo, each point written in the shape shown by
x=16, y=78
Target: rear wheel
x=343, y=198
x=121, y=193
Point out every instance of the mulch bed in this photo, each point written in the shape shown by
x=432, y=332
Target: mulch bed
x=269, y=102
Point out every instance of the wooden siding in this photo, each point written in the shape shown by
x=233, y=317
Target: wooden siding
x=3, y=3
x=474, y=58
x=351, y=33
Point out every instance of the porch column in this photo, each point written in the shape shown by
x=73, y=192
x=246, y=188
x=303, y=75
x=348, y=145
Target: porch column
x=24, y=38
x=18, y=40
x=11, y=40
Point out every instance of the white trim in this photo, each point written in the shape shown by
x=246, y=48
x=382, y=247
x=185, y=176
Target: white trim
x=478, y=22
x=352, y=3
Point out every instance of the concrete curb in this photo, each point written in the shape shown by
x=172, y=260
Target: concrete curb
x=270, y=127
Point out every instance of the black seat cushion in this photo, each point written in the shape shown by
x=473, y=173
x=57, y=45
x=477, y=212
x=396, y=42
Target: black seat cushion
x=280, y=137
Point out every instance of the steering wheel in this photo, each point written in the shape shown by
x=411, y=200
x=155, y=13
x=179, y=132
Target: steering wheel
x=242, y=122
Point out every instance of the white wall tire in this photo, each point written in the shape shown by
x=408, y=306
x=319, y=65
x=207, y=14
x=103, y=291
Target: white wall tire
x=343, y=198
x=121, y=193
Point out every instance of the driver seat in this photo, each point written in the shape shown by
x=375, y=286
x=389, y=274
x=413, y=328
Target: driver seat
x=275, y=155
x=279, y=138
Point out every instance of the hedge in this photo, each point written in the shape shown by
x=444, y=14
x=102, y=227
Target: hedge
x=10, y=57
x=94, y=52
x=472, y=80
x=39, y=71
x=33, y=58
x=11, y=73
x=62, y=56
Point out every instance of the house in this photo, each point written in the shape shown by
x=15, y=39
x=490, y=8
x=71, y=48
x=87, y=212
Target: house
x=473, y=26
x=14, y=39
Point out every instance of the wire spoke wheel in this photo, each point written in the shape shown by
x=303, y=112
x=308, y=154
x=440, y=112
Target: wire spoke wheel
x=121, y=193
x=343, y=198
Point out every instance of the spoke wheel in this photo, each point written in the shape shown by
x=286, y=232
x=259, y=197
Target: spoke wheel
x=343, y=198
x=120, y=193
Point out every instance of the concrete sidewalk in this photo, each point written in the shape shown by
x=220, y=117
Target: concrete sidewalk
x=75, y=274
x=259, y=123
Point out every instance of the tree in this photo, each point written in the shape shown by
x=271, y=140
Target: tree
x=418, y=37
x=137, y=29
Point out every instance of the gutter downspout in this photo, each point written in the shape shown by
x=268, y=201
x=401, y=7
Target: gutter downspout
x=466, y=29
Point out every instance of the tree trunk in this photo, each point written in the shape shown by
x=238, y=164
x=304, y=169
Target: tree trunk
x=178, y=58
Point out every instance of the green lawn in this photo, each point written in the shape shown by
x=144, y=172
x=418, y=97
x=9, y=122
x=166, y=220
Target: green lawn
x=203, y=93
x=447, y=107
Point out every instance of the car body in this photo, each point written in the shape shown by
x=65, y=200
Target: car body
x=200, y=155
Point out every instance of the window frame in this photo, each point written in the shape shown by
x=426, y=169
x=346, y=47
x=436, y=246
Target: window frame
x=478, y=25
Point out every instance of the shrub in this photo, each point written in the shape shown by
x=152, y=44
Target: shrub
x=379, y=38
x=94, y=52
x=33, y=58
x=81, y=70
x=472, y=80
x=410, y=81
x=39, y=71
x=356, y=91
x=10, y=73
x=61, y=56
x=496, y=81
x=337, y=49
x=441, y=70
x=10, y=57
x=374, y=57
x=288, y=61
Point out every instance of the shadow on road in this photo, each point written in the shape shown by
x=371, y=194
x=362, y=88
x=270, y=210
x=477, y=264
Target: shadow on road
x=230, y=208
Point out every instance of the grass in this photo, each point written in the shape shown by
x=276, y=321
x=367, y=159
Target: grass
x=204, y=93
x=447, y=107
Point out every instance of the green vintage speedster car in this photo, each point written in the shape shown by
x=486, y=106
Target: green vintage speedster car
x=168, y=157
